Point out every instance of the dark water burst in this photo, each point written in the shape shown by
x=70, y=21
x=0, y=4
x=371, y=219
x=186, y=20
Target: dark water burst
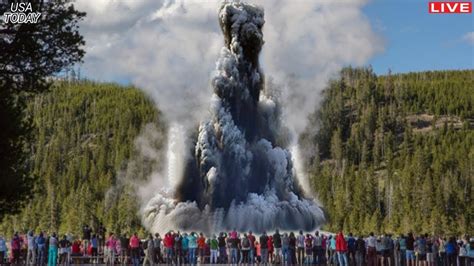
x=240, y=173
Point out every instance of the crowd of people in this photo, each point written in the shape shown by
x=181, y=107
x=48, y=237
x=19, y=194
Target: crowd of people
x=237, y=248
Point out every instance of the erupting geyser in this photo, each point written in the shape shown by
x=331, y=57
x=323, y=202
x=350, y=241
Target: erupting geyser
x=239, y=174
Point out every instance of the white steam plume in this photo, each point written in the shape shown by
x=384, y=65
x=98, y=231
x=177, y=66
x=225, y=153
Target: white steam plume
x=165, y=179
x=168, y=48
x=238, y=176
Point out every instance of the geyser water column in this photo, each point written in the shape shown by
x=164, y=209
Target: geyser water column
x=239, y=173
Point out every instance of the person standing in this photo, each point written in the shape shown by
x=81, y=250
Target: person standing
x=178, y=251
x=233, y=242
x=402, y=247
x=245, y=248
x=360, y=251
x=430, y=251
x=123, y=249
x=53, y=250
x=64, y=245
x=252, y=239
x=292, y=248
x=442, y=251
x=435, y=249
x=277, y=246
x=15, y=245
x=300, y=247
x=135, y=249
x=285, y=247
x=323, y=251
x=341, y=249
x=185, y=247
x=101, y=237
x=451, y=252
x=76, y=251
x=470, y=251
x=332, y=250
x=202, y=247
x=94, y=247
x=317, y=248
x=386, y=245
x=3, y=249
x=149, y=251
x=157, y=246
x=41, y=247
x=86, y=237
x=214, y=245
x=270, y=249
x=192, y=243
x=309, y=249
x=264, y=247
x=371, y=250
x=410, y=252
x=31, y=254
x=168, y=242
x=222, y=248
x=462, y=254
x=110, y=246
x=351, y=249
x=258, y=254
x=392, y=249
x=421, y=247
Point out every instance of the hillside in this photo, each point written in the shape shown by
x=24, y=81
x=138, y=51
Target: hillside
x=85, y=134
x=395, y=153
x=385, y=153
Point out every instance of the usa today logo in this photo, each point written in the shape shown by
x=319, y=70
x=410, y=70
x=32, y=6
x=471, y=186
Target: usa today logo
x=21, y=13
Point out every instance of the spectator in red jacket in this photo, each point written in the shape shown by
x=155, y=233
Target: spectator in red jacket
x=16, y=244
x=201, y=241
x=168, y=242
x=341, y=249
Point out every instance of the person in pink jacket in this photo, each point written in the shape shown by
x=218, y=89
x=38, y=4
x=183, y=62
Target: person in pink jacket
x=110, y=245
x=134, y=244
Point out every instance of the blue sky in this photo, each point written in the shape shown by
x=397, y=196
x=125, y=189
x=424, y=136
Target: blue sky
x=124, y=47
x=416, y=40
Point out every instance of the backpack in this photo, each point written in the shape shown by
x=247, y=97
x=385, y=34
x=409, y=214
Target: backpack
x=245, y=243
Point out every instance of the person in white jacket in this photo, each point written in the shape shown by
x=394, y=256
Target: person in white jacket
x=31, y=255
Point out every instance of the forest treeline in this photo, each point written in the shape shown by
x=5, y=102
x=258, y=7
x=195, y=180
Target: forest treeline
x=395, y=153
x=388, y=153
x=85, y=136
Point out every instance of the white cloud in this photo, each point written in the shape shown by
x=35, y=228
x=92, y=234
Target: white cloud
x=169, y=48
x=469, y=37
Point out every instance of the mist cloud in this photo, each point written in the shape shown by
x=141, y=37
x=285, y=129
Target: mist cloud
x=469, y=37
x=169, y=49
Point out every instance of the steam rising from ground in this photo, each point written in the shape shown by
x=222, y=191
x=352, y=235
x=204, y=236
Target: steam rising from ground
x=238, y=173
x=168, y=48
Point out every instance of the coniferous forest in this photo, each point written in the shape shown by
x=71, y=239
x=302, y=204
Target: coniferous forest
x=85, y=138
x=395, y=153
x=388, y=153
